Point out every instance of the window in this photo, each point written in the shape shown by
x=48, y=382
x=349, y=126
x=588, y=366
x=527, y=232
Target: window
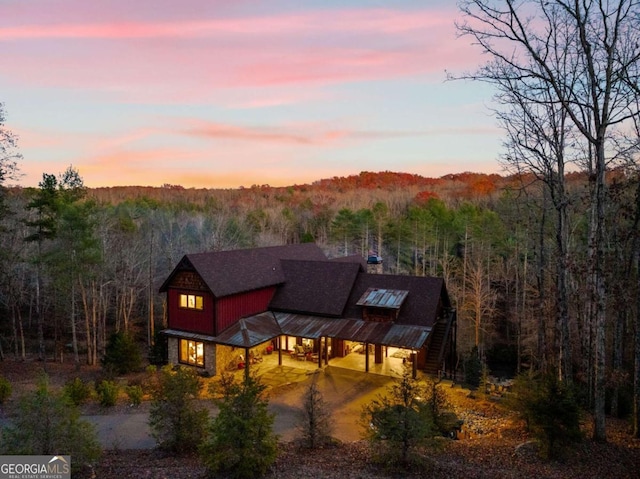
x=191, y=352
x=191, y=301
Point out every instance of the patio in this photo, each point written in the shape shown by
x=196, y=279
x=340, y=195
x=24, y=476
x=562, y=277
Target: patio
x=392, y=364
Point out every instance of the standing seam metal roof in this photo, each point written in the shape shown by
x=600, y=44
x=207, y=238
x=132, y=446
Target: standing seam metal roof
x=383, y=298
x=254, y=330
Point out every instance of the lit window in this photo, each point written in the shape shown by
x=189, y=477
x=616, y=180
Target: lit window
x=191, y=352
x=191, y=301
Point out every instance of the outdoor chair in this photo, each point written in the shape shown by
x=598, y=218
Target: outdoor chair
x=299, y=352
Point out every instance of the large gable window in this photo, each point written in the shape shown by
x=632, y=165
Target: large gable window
x=191, y=301
x=191, y=352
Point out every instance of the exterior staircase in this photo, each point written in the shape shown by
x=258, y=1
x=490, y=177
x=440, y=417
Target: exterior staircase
x=437, y=345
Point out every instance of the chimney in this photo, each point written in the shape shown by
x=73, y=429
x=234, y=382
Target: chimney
x=374, y=264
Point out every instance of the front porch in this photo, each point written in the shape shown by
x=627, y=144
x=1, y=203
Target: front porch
x=308, y=341
x=392, y=365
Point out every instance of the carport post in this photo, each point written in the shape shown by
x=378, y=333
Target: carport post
x=366, y=357
x=326, y=351
x=414, y=365
x=246, y=364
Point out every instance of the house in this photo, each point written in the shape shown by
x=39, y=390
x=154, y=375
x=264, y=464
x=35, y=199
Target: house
x=225, y=307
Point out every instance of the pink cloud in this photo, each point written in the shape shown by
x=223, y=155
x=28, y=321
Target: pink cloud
x=314, y=134
x=215, y=57
x=211, y=130
x=133, y=59
x=325, y=22
x=302, y=134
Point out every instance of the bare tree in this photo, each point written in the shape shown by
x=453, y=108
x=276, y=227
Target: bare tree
x=9, y=156
x=8, y=170
x=588, y=54
x=480, y=299
x=537, y=137
x=631, y=154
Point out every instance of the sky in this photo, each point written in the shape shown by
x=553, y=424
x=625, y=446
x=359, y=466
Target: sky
x=228, y=94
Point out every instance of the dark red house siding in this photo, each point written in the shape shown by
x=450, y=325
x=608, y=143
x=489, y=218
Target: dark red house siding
x=187, y=319
x=231, y=308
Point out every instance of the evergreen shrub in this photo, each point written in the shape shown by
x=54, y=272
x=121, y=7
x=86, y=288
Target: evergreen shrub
x=122, y=354
x=78, y=391
x=107, y=393
x=177, y=422
x=46, y=424
x=398, y=423
x=135, y=394
x=550, y=410
x=241, y=442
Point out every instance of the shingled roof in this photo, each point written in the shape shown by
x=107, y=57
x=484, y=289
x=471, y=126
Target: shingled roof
x=237, y=271
x=315, y=287
x=316, y=296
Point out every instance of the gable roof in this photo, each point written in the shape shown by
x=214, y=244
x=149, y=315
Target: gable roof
x=420, y=307
x=237, y=271
x=316, y=296
x=315, y=287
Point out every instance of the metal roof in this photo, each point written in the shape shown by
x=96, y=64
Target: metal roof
x=383, y=298
x=251, y=331
x=246, y=333
x=312, y=327
x=254, y=330
x=387, y=334
x=187, y=335
x=404, y=336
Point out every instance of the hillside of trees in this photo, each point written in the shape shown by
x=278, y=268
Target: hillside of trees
x=79, y=264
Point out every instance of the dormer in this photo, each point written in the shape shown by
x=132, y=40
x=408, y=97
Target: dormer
x=382, y=305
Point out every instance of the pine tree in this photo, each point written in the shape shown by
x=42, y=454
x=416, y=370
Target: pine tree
x=316, y=423
x=48, y=423
x=400, y=421
x=241, y=442
x=177, y=422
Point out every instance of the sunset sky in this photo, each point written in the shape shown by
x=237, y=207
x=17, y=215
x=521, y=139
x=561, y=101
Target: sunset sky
x=223, y=94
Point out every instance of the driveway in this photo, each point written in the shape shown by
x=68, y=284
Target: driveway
x=345, y=391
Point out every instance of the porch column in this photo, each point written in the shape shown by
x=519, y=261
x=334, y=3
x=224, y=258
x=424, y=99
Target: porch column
x=378, y=354
x=320, y=349
x=414, y=365
x=246, y=364
x=366, y=357
x=326, y=350
x=279, y=350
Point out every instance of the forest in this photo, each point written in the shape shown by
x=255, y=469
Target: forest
x=79, y=264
